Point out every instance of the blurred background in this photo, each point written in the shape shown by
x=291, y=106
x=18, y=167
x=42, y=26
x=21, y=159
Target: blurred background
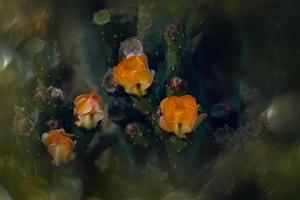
x=241, y=61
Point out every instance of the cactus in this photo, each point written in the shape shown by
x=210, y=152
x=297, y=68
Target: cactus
x=71, y=120
x=139, y=131
x=148, y=102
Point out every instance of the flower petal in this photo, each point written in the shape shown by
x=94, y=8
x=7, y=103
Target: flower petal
x=164, y=125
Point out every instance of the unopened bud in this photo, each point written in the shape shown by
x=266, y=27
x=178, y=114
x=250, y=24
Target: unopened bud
x=53, y=124
x=222, y=114
x=176, y=84
x=130, y=47
x=110, y=86
x=132, y=128
x=24, y=121
x=40, y=95
x=55, y=93
x=172, y=30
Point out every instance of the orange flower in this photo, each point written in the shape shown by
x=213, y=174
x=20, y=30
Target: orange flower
x=180, y=115
x=89, y=110
x=60, y=146
x=134, y=75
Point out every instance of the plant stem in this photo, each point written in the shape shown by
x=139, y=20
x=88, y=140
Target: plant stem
x=174, y=37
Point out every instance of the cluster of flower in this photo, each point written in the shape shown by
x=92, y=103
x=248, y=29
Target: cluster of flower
x=178, y=114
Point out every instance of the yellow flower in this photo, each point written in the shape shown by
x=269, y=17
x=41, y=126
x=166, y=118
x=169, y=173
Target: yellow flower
x=133, y=75
x=60, y=146
x=180, y=115
x=89, y=110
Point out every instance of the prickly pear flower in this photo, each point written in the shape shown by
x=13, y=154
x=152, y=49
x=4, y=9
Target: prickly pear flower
x=134, y=75
x=180, y=115
x=89, y=110
x=60, y=146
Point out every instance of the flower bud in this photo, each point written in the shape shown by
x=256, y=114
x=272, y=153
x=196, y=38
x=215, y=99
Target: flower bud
x=52, y=124
x=51, y=94
x=40, y=95
x=55, y=93
x=176, y=84
x=222, y=114
x=180, y=115
x=60, y=146
x=172, y=31
x=130, y=47
x=24, y=121
x=110, y=86
x=132, y=128
x=89, y=110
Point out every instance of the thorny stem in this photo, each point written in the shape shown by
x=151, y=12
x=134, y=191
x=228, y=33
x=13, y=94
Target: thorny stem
x=174, y=38
x=144, y=105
